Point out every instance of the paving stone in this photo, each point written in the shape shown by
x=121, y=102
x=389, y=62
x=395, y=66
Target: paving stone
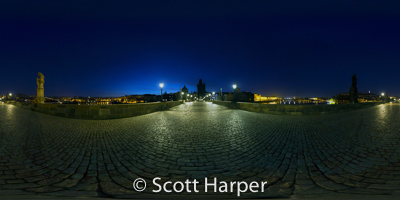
x=301, y=155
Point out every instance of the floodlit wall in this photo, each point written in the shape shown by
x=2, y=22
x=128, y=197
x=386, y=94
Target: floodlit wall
x=98, y=111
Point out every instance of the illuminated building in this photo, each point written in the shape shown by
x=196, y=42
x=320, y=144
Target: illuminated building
x=258, y=97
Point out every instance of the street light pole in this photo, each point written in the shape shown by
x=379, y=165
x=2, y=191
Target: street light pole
x=161, y=86
x=234, y=93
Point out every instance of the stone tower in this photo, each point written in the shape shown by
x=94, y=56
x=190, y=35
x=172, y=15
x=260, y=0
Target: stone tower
x=201, y=89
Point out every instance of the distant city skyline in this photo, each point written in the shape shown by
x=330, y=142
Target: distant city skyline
x=193, y=90
x=285, y=48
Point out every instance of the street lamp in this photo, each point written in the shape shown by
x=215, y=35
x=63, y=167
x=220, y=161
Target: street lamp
x=161, y=86
x=383, y=94
x=10, y=94
x=235, y=93
x=182, y=95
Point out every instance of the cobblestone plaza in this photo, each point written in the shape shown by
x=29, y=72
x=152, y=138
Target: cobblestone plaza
x=349, y=153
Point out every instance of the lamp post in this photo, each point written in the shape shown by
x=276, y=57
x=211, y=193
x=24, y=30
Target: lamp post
x=182, y=95
x=220, y=95
x=383, y=94
x=213, y=95
x=234, y=93
x=161, y=86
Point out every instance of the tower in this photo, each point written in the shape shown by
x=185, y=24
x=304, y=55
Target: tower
x=201, y=89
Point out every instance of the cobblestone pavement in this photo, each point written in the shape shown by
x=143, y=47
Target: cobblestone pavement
x=355, y=152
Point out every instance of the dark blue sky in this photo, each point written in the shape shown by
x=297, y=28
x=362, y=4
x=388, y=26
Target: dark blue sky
x=114, y=48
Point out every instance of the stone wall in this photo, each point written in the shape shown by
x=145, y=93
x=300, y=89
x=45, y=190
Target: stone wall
x=280, y=109
x=98, y=111
x=228, y=104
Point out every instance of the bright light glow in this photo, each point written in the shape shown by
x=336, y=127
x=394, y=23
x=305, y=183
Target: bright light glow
x=161, y=85
x=191, y=95
x=183, y=93
x=383, y=94
x=10, y=94
x=213, y=93
x=234, y=86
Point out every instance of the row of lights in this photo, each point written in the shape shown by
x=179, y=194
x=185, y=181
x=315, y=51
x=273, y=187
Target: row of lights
x=162, y=85
x=234, y=88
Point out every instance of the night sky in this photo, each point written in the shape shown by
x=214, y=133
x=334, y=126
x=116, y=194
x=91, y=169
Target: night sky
x=116, y=48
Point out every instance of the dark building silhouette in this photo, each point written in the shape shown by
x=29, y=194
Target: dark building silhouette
x=185, y=90
x=361, y=97
x=245, y=97
x=201, y=89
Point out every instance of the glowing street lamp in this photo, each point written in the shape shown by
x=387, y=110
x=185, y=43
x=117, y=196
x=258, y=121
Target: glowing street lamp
x=235, y=92
x=182, y=95
x=10, y=94
x=383, y=94
x=161, y=86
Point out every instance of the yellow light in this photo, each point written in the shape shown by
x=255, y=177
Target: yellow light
x=10, y=94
